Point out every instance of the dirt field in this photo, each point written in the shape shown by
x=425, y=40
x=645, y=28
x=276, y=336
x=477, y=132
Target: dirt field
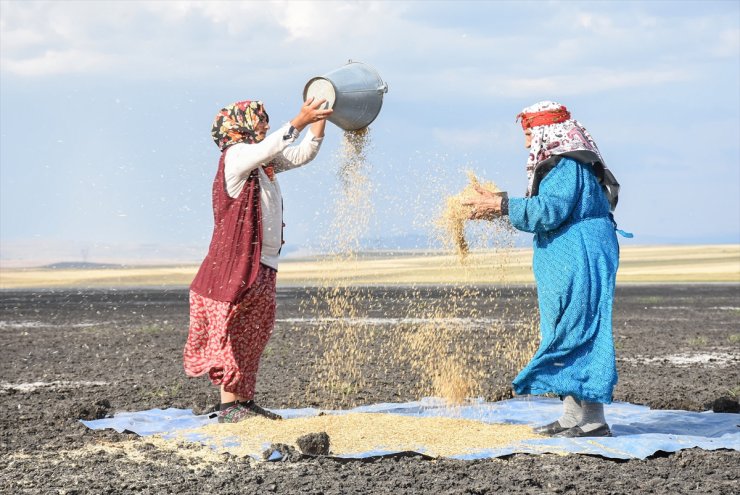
x=86, y=353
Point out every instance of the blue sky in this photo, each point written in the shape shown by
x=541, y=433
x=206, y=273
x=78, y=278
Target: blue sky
x=106, y=108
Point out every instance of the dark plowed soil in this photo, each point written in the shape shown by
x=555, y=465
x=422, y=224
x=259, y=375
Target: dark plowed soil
x=68, y=355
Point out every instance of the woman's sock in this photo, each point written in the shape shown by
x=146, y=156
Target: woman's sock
x=572, y=412
x=593, y=415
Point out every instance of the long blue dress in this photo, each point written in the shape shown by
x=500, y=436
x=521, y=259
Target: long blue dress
x=576, y=256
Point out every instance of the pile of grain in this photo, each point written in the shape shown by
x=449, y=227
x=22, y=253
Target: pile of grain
x=353, y=433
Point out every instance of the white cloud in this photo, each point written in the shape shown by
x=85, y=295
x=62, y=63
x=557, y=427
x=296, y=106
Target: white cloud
x=187, y=39
x=338, y=22
x=604, y=48
x=195, y=38
x=594, y=22
x=58, y=62
x=51, y=38
x=20, y=39
x=235, y=16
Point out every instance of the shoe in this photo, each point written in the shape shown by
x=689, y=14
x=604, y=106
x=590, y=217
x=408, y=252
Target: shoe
x=550, y=429
x=577, y=432
x=234, y=414
x=255, y=409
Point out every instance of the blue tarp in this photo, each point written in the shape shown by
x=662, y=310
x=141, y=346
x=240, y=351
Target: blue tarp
x=638, y=431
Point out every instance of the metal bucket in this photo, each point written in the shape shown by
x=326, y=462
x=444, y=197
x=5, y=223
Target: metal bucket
x=355, y=92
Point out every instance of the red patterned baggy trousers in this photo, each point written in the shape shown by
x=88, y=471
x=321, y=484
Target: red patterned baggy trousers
x=227, y=340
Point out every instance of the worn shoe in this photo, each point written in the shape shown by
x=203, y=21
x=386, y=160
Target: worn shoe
x=255, y=409
x=577, y=432
x=550, y=429
x=234, y=414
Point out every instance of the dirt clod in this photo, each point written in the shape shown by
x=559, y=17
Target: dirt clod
x=97, y=410
x=286, y=453
x=314, y=443
x=724, y=404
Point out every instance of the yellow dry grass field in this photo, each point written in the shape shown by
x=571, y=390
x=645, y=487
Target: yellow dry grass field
x=639, y=264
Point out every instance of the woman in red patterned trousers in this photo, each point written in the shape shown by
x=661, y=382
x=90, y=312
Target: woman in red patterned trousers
x=232, y=298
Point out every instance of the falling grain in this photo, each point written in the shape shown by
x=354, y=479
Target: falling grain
x=445, y=346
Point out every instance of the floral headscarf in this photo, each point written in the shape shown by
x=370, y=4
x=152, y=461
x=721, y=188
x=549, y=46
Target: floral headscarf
x=236, y=122
x=553, y=133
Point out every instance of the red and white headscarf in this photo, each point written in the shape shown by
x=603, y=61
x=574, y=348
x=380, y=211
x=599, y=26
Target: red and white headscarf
x=553, y=133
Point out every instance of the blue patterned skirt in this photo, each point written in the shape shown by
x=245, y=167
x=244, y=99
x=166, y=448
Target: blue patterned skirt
x=575, y=269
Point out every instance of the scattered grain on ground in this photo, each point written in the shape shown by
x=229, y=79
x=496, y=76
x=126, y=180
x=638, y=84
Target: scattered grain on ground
x=362, y=432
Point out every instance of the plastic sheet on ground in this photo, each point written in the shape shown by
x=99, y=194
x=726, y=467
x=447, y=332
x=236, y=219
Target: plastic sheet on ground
x=638, y=432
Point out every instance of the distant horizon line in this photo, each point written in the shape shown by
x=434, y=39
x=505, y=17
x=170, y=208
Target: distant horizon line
x=294, y=256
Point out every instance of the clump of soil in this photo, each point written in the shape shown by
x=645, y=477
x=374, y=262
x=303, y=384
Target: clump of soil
x=314, y=443
x=287, y=453
x=89, y=411
x=724, y=404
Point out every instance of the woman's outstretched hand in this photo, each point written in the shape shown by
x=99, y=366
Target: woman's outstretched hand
x=486, y=205
x=311, y=112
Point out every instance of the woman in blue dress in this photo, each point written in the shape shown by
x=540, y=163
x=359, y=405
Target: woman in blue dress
x=568, y=205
